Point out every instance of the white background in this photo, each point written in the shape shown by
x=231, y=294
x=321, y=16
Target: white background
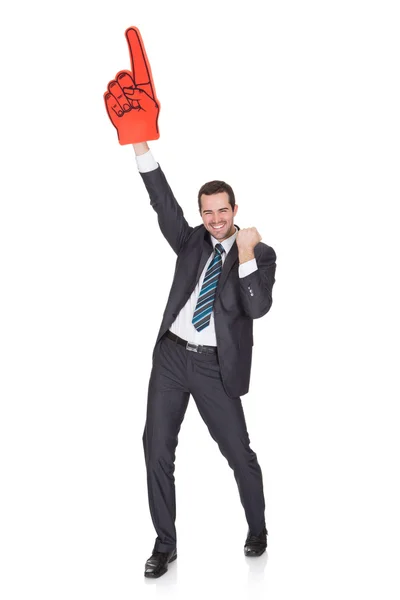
x=296, y=105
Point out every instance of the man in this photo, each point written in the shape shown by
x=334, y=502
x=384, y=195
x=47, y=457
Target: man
x=223, y=280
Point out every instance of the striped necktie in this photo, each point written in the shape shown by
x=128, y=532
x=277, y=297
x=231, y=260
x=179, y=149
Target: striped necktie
x=205, y=301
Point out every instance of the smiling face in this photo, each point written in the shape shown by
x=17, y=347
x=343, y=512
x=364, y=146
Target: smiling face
x=217, y=215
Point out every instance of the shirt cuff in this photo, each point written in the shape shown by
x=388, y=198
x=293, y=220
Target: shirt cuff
x=145, y=162
x=247, y=268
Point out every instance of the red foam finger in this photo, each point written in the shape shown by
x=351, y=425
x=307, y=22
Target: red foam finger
x=139, y=123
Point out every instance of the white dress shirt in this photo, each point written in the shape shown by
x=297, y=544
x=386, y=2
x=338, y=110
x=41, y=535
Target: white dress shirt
x=183, y=326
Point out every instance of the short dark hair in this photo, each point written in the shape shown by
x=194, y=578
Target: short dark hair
x=215, y=187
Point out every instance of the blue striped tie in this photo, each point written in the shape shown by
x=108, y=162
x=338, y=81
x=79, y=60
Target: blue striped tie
x=205, y=301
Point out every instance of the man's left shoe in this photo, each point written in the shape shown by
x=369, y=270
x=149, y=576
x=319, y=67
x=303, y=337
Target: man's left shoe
x=255, y=545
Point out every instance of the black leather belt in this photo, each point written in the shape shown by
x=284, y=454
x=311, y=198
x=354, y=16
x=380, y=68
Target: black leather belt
x=192, y=347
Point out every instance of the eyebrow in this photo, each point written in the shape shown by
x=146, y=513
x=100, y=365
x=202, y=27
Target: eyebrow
x=219, y=210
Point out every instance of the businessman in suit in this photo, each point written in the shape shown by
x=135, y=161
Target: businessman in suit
x=223, y=280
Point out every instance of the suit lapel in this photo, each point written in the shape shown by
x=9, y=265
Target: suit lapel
x=206, y=252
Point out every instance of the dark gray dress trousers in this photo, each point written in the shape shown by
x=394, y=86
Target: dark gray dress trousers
x=176, y=374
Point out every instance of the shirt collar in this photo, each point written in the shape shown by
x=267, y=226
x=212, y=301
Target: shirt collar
x=228, y=243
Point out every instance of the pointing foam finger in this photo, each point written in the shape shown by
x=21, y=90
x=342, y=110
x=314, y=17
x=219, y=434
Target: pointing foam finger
x=140, y=64
x=141, y=71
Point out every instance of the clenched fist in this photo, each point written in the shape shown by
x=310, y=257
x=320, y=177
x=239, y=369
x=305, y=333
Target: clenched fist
x=246, y=239
x=131, y=101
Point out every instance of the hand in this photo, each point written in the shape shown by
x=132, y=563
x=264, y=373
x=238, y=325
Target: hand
x=131, y=101
x=247, y=239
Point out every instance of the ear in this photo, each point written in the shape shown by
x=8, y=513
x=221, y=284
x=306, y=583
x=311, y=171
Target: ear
x=235, y=209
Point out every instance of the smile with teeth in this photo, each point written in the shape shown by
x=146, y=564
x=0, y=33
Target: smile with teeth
x=217, y=227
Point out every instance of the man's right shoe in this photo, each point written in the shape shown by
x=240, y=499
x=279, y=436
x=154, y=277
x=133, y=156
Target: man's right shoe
x=157, y=564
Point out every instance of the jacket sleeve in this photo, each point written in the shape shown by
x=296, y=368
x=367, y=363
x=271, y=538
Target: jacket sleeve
x=171, y=220
x=256, y=288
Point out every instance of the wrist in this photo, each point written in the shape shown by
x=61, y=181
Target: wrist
x=246, y=254
x=141, y=148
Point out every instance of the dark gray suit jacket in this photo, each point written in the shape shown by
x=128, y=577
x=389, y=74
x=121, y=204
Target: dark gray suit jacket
x=238, y=300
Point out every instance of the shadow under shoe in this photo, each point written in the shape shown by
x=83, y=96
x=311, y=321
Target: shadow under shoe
x=255, y=545
x=158, y=562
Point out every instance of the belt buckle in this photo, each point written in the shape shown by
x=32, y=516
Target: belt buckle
x=191, y=347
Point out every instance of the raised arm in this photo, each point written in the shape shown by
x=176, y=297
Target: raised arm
x=133, y=109
x=171, y=220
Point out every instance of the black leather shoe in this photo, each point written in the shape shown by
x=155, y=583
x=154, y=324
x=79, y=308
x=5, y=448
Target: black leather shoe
x=157, y=564
x=255, y=545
